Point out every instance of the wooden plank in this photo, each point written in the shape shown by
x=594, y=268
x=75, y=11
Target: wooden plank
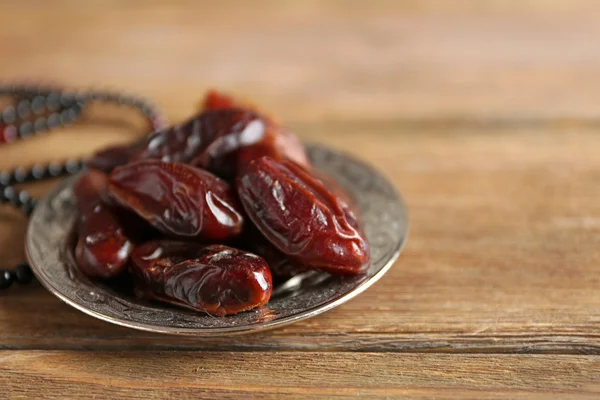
x=321, y=60
x=502, y=254
x=108, y=375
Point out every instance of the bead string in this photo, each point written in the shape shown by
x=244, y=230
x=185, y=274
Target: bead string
x=48, y=108
x=51, y=107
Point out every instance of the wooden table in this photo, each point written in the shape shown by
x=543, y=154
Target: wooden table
x=484, y=116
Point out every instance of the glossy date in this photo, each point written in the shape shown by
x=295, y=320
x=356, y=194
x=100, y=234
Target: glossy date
x=179, y=143
x=216, y=100
x=102, y=249
x=230, y=154
x=111, y=157
x=164, y=253
x=223, y=139
x=187, y=141
x=177, y=199
x=217, y=279
x=160, y=205
x=90, y=190
x=282, y=266
x=302, y=218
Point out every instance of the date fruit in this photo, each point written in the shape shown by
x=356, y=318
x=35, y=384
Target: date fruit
x=177, y=199
x=102, y=249
x=90, y=190
x=111, y=157
x=230, y=154
x=164, y=253
x=302, y=218
x=278, y=144
x=219, y=280
x=215, y=100
x=281, y=266
x=178, y=143
x=350, y=207
x=186, y=141
x=222, y=139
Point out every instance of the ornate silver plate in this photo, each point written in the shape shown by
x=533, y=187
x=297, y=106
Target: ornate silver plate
x=385, y=221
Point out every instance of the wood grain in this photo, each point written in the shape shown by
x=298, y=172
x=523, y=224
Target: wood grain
x=484, y=115
x=106, y=375
x=315, y=60
x=501, y=257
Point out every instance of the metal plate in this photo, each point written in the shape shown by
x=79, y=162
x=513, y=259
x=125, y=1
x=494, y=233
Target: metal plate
x=385, y=223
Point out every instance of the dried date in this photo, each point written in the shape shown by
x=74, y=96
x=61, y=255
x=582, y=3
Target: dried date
x=90, y=190
x=177, y=199
x=350, y=206
x=164, y=253
x=215, y=100
x=302, y=218
x=178, y=143
x=184, y=142
x=109, y=158
x=102, y=249
x=281, y=266
x=219, y=280
x=230, y=154
x=223, y=139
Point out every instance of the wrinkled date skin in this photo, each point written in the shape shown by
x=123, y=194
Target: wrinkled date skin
x=179, y=143
x=177, y=199
x=219, y=280
x=223, y=139
x=350, y=208
x=102, y=249
x=184, y=142
x=230, y=154
x=303, y=218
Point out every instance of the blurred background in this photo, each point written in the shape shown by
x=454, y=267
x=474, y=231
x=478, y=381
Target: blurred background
x=320, y=60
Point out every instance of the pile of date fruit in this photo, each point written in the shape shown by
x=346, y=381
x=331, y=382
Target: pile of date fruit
x=207, y=214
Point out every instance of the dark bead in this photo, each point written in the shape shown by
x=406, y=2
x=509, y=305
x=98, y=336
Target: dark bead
x=24, y=108
x=8, y=193
x=15, y=200
x=53, y=120
x=65, y=117
x=23, y=273
x=38, y=105
x=6, y=279
x=28, y=207
x=5, y=178
x=26, y=129
x=38, y=171
x=20, y=174
x=53, y=101
x=67, y=98
x=40, y=124
x=55, y=168
x=23, y=197
x=73, y=166
x=9, y=115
